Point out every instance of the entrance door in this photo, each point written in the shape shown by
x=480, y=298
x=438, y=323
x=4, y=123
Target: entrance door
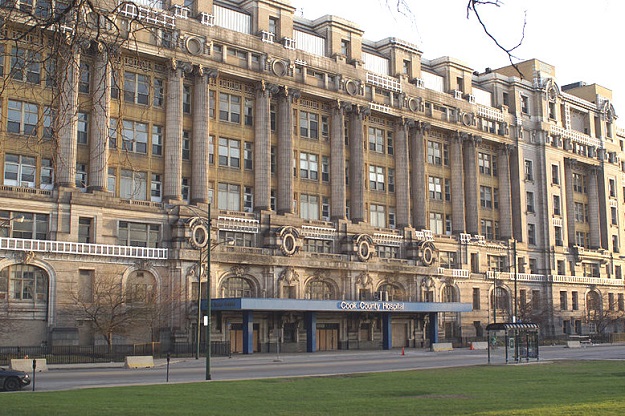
x=236, y=338
x=400, y=334
x=327, y=337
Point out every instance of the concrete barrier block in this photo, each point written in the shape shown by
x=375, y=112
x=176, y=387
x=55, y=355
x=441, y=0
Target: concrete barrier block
x=139, y=361
x=442, y=346
x=573, y=344
x=479, y=345
x=26, y=364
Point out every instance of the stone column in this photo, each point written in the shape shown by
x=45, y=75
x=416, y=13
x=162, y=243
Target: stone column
x=505, y=201
x=593, y=208
x=470, y=185
x=172, y=184
x=337, y=163
x=262, y=146
x=357, y=164
x=200, y=144
x=457, y=186
x=402, y=185
x=100, y=119
x=569, y=164
x=67, y=118
x=285, y=151
x=417, y=163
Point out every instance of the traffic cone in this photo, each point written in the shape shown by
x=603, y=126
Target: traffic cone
x=471, y=347
x=402, y=351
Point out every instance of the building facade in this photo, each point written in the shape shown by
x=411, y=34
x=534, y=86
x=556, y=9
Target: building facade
x=332, y=168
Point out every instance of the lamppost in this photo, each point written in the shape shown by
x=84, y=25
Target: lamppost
x=6, y=222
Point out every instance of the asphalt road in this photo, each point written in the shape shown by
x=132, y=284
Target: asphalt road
x=257, y=366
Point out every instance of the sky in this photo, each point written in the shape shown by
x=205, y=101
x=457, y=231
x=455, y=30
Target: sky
x=583, y=39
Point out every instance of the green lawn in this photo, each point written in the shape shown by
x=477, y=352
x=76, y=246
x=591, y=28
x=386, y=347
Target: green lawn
x=561, y=388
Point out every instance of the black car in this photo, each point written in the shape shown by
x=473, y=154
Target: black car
x=12, y=380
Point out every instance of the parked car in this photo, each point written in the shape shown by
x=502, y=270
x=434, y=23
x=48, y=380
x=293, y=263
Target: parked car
x=12, y=380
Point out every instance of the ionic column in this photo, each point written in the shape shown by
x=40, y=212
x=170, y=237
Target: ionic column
x=505, y=201
x=200, y=144
x=357, y=165
x=262, y=147
x=337, y=163
x=470, y=185
x=418, y=189
x=593, y=209
x=457, y=186
x=67, y=118
x=402, y=185
x=100, y=119
x=172, y=184
x=285, y=151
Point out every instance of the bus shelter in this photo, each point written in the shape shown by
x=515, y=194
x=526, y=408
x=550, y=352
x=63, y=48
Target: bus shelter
x=520, y=340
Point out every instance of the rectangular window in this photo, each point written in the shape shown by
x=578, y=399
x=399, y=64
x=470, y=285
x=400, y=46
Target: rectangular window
x=484, y=163
x=435, y=155
x=157, y=140
x=558, y=236
x=248, y=199
x=134, y=136
x=184, y=190
x=308, y=125
x=113, y=133
x=25, y=65
x=525, y=104
x=377, y=180
x=133, y=185
x=574, y=301
x=83, y=128
x=136, y=88
x=248, y=156
x=435, y=188
x=476, y=299
x=436, y=223
x=159, y=93
x=138, y=234
x=186, y=99
x=186, y=145
x=563, y=300
x=308, y=166
x=229, y=108
x=556, y=205
x=46, y=175
x=309, y=207
x=529, y=170
x=229, y=197
x=531, y=234
x=81, y=176
x=22, y=118
x=377, y=215
x=85, y=78
x=487, y=229
x=85, y=228
x=529, y=201
x=249, y=112
x=111, y=181
x=555, y=174
x=579, y=183
x=48, y=122
x=486, y=197
x=391, y=180
x=19, y=170
x=156, y=186
x=376, y=140
x=325, y=168
x=32, y=227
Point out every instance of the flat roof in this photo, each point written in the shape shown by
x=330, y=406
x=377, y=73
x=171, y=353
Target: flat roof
x=306, y=305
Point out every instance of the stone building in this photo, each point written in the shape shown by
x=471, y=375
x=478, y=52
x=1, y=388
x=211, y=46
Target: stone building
x=359, y=194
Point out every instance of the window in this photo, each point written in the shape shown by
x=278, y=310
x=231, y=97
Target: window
x=186, y=99
x=563, y=300
x=529, y=200
x=436, y=223
x=376, y=178
x=555, y=174
x=448, y=259
x=81, y=176
x=525, y=104
x=186, y=145
x=229, y=108
x=376, y=140
x=159, y=93
x=615, y=244
x=248, y=155
x=531, y=234
x=248, y=199
x=48, y=122
x=391, y=180
x=580, y=211
x=85, y=228
x=325, y=127
x=579, y=183
x=558, y=236
x=309, y=207
x=33, y=227
x=85, y=78
x=273, y=25
x=435, y=187
x=308, y=166
x=614, y=215
x=136, y=234
x=229, y=197
x=133, y=185
x=229, y=152
x=25, y=65
x=111, y=180
x=249, y=112
x=377, y=215
x=157, y=140
x=113, y=133
x=612, y=187
x=134, y=136
x=435, y=153
x=22, y=118
x=529, y=170
x=325, y=208
x=487, y=229
x=325, y=169
x=486, y=197
x=140, y=288
x=556, y=205
x=574, y=301
x=621, y=302
x=24, y=283
x=83, y=128
x=156, y=188
x=184, y=189
x=136, y=88
x=308, y=125
x=581, y=239
x=345, y=48
x=46, y=176
x=485, y=163
x=536, y=303
x=19, y=170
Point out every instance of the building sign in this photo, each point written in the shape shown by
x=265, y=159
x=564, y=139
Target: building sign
x=371, y=306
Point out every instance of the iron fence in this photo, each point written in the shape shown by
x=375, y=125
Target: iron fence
x=71, y=354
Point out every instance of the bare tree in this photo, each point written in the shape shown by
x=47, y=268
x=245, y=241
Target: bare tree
x=601, y=319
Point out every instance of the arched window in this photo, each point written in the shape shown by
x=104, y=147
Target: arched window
x=593, y=301
x=24, y=283
x=450, y=294
x=237, y=287
x=319, y=290
x=140, y=288
x=394, y=293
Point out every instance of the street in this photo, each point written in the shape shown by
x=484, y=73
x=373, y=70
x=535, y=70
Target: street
x=256, y=366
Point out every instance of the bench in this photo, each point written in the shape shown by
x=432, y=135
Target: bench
x=442, y=346
x=139, y=361
x=26, y=364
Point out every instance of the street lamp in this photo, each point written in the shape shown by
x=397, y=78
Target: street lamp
x=5, y=222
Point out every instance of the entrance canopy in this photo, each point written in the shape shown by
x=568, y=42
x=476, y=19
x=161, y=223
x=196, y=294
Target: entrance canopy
x=304, y=305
